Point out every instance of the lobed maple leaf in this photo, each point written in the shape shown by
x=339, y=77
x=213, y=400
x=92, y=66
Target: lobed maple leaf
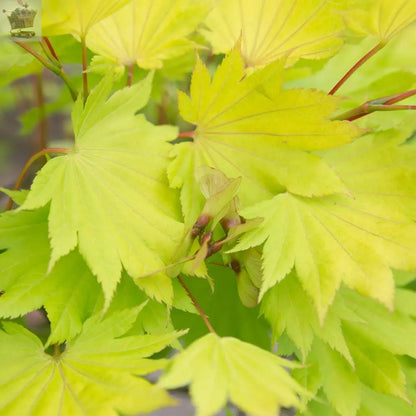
x=109, y=195
x=338, y=238
x=76, y=17
x=270, y=30
x=381, y=18
x=95, y=375
x=220, y=368
x=69, y=292
x=148, y=32
x=247, y=126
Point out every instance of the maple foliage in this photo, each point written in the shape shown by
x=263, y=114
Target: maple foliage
x=235, y=210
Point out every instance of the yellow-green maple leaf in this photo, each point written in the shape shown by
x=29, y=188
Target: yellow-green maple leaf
x=249, y=127
x=381, y=18
x=339, y=238
x=76, y=17
x=219, y=368
x=146, y=32
x=109, y=194
x=94, y=376
x=271, y=29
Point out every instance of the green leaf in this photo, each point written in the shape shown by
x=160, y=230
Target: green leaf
x=270, y=30
x=18, y=196
x=287, y=307
x=69, y=292
x=376, y=367
x=76, y=17
x=109, y=194
x=94, y=375
x=247, y=127
x=24, y=236
x=376, y=404
x=331, y=240
x=148, y=32
x=392, y=331
x=75, y=297
x=340, y=382
x=381, y=18
x=217, y=368
x=15, y=63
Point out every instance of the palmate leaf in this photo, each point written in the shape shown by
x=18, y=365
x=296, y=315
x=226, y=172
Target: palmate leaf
x=338, y=238
x=248, y=127
x=69, y=293
x=109, y=194
x=270, y=30
x=76, y=17
x=381, y=18
x=359, y=339
x=95, y=375
x=220, y=368
x=288, y=308
x=346, y=387
x=148, y=32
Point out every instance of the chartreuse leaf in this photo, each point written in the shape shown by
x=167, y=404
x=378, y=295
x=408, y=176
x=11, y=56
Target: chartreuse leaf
x=95, y=375
x=393, y=331
x=247, y=127
x=330, y=240
x=340, y=383
x=375, y=404
x=69, y=293
x=379, y=170
x=338, y=238
x=148, y=32
x=109, y=194
x=376, y=367
x=24, y=261
x=75, y=297
x=272, y=29
x=381, y=18
x=219, y=368
x=15, y=63
x=18, y=196
x=60, y=17
x=287, y=307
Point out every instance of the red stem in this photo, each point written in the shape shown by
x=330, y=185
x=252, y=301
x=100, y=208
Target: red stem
x=197, y=306
x=50, y=47
x=29, y=163
x=186, y=134
x=364, y=59
x=59, y=71
x=40, y=102
x=130, y=74
x=84, y=68
x=400, y=96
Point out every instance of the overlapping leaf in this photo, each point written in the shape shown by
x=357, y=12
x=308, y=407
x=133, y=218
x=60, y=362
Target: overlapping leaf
x=95, y=375
x=270, y=30
x=287, y=307
x=381, y=18
x=339, y=238
x=365, y=335
x=148, y=32
x=220, y=368
x=76, y=17
x=69, y=292
x=248, y=127
x=109, y=194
